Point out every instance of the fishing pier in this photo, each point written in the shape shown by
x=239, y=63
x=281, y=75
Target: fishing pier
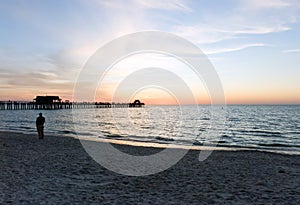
x=55, y=103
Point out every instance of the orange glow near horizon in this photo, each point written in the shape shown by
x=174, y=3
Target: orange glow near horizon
x=155, y=97
x=262, y=98
x=159, y=97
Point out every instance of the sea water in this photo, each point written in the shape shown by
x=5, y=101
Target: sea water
x=260, y=127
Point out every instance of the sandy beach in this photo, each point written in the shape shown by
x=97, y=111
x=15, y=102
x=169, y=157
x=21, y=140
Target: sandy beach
x=57, y=170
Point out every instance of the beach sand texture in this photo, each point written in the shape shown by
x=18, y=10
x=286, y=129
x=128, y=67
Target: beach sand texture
x=57, y=170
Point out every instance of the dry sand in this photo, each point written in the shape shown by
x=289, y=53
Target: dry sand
x=57, y=170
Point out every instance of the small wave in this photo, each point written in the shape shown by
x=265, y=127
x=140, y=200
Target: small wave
x=26, y=128
x=226, y=137
x=66, y=132
x=277, y=145
x=234, y=119
x=264, y=133
x=293, y=132
x=105, y=132
x=105, y=123
x=220, y=141
x=146, y=127
x=164, y=139
x=197, y=143
x=83, y=134
x=113, y=136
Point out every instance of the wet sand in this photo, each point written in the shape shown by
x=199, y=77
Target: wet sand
x=57, y=170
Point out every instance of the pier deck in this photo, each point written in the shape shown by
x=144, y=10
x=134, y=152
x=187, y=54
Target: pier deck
x=16, y=105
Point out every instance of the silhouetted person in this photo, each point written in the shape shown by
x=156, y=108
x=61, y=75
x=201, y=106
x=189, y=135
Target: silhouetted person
x=40, y=120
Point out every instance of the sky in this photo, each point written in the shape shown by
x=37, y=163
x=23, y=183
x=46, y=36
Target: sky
x=253, y=45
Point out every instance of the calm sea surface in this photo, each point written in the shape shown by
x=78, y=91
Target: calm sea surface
x=270, y=127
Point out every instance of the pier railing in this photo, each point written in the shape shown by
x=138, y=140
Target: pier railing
x=16, y=105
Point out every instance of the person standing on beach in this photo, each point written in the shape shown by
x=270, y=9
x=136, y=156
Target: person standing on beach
x=40, y=120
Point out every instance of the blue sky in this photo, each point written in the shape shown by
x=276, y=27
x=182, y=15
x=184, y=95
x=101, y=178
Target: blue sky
x=254, y=45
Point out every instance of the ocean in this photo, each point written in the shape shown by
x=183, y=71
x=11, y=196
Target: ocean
x=274, y=128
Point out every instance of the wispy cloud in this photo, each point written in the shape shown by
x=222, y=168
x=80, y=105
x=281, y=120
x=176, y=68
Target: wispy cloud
x=242, y=22
x=28, y=84
x=265, y=4
x=207, y=34
x=172, y=5
x=29, y=79
x=202, y=34
x=292, y=51
x=165, y=5
x=232, y=49
x=261, y=29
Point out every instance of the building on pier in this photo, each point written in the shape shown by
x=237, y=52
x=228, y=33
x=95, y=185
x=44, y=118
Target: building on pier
x=47, y=99
x=136, y=103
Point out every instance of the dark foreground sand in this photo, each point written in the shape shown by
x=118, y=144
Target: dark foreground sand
x=57, y=170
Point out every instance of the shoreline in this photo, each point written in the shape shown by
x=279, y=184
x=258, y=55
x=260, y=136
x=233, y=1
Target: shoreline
x=217, y=147
x=57, y=170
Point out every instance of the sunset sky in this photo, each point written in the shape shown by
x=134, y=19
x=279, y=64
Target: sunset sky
x=254, y=45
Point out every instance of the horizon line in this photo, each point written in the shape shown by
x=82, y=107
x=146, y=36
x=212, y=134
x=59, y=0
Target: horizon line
x=151, y=104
